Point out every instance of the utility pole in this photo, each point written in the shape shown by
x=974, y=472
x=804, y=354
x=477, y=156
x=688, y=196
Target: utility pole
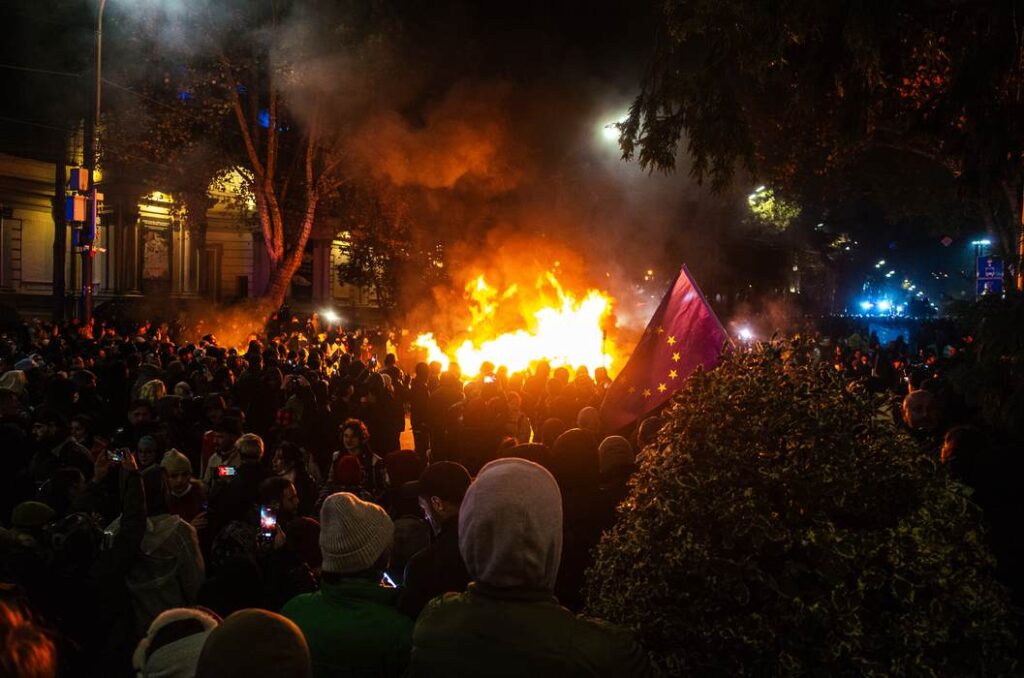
x=88, y=240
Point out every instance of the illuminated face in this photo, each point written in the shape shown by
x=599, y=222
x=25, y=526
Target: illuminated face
x=350, y=439
x=430, y=507
x=178, y=482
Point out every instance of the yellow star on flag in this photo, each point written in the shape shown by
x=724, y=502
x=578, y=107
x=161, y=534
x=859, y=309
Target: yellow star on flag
x=632, y=389
x=660, y=330
x=671, y=341
x=672, y=374
x=676, y=357
x=662, y=388
x=647, y=393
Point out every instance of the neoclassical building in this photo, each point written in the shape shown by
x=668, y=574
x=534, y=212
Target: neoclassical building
x=146, y=249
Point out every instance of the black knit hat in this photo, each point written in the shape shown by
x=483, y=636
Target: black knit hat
x=445, y=479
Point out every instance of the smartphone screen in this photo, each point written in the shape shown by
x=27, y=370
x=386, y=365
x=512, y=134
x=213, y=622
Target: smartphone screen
x=226, y=471
x=268, y=523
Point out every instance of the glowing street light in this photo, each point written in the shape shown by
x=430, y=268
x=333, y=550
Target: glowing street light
x=745, y=334
x=330, y=316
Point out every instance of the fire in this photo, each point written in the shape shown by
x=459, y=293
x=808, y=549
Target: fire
x=564, y=330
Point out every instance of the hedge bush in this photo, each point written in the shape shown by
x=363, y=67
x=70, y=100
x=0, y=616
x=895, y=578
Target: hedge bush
x=782, y=525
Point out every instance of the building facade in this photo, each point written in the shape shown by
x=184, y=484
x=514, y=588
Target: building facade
x=145, y=250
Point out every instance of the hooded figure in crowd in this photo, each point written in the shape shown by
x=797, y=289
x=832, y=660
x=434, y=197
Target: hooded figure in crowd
x=168, y=569
x=509, y=623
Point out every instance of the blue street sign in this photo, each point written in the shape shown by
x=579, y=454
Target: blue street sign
x=990, y=268
x=989, y=286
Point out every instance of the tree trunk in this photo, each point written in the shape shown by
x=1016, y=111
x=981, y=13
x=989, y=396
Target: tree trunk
x=281, y=278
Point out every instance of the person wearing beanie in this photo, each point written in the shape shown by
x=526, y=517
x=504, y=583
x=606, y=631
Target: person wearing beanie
x=508, y=623
x=351, y=624
x=438, y=568
x=255, y=644
x=171, y=647
x=185, y=495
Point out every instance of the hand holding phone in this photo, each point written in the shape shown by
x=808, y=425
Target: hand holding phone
x=118, y=455
x=268, y=523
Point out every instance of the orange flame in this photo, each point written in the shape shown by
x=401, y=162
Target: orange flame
x=568, y=333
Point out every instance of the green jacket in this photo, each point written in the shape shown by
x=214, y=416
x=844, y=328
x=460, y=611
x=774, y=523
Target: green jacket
x=501, y=632
x=353, y=629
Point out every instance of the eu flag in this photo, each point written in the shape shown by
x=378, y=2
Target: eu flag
x=683, y=334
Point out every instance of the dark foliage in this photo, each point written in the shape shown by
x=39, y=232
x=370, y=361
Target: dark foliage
x=782, y=525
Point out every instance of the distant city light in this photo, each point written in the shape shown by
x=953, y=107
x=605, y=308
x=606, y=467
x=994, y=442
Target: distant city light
x=866, y=305
x=884, y=305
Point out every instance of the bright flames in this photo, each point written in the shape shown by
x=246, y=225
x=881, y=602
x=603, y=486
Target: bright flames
x=567, y=333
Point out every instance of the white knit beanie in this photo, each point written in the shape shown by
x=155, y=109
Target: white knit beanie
x=177, y=659
x=510, y=526
x=353, y=533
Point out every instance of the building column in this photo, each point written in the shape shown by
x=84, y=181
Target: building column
x=321, y=271
x=133, y=256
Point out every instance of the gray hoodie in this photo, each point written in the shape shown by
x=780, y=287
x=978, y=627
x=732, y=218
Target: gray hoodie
x=510, y=526
x=168, y=570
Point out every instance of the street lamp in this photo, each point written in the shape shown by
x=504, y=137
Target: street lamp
x=979, y=244
x=88, y=242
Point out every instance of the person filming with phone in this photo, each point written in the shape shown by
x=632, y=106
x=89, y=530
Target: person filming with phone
x=237, y=489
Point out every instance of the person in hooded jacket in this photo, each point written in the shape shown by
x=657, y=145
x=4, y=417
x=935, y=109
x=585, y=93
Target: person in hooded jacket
x=508, y=623
x=168, y=569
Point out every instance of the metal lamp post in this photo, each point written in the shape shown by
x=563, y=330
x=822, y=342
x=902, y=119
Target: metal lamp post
x=87, y=242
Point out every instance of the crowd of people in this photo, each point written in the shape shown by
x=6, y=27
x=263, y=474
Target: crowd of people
x=180, y=509
x=166, y=504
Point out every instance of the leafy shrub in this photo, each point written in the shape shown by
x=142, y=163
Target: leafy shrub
x=782, y=525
